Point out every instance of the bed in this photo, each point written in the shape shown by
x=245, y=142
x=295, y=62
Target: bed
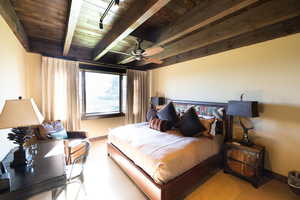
x=147, y=156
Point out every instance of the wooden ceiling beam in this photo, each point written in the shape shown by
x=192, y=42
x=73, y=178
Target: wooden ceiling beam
x=72, y=22
x=203, y=14
x=200, y=16
x=11, y=18
x=81, y=54
x=137, y=14
x=281, y=29
x=268, y=13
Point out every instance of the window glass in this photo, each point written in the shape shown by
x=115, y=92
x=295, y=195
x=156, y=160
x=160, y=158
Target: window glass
x=102, y=93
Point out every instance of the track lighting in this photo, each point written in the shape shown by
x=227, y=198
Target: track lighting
x=101, y=24
x=112, y=2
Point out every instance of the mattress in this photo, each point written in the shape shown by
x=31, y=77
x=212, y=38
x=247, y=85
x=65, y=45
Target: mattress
x=163, y=155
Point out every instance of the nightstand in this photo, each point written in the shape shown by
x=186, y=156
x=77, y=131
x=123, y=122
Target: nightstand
x=246, y=162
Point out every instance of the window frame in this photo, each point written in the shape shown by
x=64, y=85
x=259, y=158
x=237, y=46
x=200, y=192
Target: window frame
x=99, y=115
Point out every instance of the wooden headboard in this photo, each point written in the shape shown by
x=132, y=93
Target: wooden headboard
x=207, y=108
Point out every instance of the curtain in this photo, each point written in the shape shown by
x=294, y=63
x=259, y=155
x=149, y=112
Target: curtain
x=60, y=92
x=137, y=96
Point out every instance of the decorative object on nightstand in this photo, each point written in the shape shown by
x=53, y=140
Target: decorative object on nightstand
x=294, y=181
x=243, y=109
x=20, y=115
x=246, y=162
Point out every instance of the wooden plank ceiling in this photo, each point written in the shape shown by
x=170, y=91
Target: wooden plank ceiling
x=185, y=29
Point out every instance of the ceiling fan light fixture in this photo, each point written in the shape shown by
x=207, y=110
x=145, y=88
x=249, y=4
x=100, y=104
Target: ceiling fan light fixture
x=138, y=57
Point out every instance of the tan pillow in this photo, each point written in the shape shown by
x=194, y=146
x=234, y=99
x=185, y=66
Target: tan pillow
x=207, y=123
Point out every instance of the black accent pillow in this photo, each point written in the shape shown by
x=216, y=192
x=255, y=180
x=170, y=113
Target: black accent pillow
x=190, y=124
x=169, y=114
x=151, y=113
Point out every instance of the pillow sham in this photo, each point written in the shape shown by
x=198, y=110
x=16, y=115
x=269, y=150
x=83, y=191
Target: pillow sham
x=169, y=114
x=159, y=125
x=190, y=124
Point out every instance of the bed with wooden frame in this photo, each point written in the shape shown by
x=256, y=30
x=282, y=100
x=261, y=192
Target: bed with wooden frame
x=183, y=184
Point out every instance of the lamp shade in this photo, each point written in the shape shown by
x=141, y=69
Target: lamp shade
x=158, y=101
x=243, y=108
x=20, y=113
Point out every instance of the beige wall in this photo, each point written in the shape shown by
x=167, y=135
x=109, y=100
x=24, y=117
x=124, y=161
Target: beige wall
x=12, y=75
x=100, y=127
x=12, y=62
x=268, y=72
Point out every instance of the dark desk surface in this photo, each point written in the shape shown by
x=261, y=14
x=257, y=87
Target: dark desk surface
x=46, y=173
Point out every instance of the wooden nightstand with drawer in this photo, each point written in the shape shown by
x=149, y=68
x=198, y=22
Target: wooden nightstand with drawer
x=244, y=161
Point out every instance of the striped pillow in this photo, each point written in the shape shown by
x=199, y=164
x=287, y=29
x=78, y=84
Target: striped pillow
x=158, y=124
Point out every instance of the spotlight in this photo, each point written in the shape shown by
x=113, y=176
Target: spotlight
x=101, y=24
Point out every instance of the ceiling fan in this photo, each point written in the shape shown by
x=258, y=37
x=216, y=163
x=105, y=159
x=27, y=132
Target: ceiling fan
x=140, y=54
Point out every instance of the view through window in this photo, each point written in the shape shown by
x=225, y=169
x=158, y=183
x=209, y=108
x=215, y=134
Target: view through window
x=102, y=92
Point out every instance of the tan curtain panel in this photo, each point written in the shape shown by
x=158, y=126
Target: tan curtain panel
x=137, y=96
x=60, y=92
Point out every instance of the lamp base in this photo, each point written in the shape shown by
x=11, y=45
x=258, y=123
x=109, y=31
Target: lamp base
x=19, y=158
x=246, y=141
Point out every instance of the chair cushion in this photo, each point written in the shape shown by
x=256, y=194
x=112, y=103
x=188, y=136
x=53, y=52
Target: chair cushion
x=53, y=129
x=190, y=124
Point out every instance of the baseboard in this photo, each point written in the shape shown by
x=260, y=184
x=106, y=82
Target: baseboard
x=276, y=176
x=94, y=139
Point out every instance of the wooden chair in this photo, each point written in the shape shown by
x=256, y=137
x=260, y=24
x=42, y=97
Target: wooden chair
x=74, y=172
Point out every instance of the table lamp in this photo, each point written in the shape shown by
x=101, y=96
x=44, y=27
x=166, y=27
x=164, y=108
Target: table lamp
x=157, y=101
x=20, y=115
x=243, y=109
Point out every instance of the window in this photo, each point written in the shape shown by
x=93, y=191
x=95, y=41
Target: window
x=102, y=94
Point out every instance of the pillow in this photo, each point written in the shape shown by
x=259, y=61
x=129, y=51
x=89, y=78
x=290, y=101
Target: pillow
x=168, y=113
x=53, y=129
x=159, y=125
x=151, y=113
x=158, y=107
x=190, y=124
x=219, y=113
x=207, y=123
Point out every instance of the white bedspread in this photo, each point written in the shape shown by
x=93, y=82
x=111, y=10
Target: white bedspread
x=162, y=155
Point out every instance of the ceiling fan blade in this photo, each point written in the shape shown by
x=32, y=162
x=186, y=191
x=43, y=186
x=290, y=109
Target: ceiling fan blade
x=119, y=52
x=152, y=51
x=127, y=60
x=153, y=60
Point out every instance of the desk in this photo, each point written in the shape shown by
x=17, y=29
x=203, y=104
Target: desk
x=47, y=172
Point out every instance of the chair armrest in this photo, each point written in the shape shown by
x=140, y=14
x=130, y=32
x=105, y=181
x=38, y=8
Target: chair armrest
x=77, y=134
